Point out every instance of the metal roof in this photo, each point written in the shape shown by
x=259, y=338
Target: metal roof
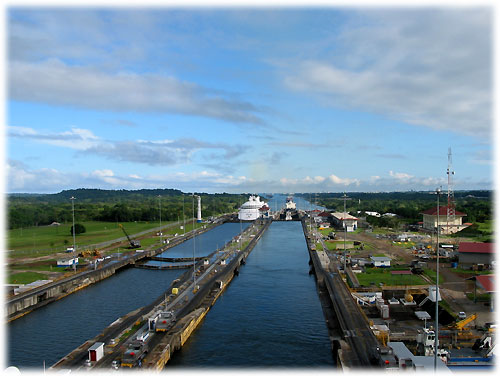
x=487, y=282
x=443, y=211
x=422, y=315
x=379, y=258
x=471, y=247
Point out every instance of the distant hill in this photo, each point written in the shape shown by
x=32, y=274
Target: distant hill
x=94, y=195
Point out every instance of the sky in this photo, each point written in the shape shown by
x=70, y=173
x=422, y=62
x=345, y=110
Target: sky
x=248, y=99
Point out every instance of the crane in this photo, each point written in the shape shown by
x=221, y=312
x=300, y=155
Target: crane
x=133, y=243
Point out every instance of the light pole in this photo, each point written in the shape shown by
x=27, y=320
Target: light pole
x=436, y=340
x=159, y=206
x=345, y=234
x=194, y=246
x=74, y=242
x=183, y=217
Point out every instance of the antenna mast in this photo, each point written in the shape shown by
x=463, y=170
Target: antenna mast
x=450, y=209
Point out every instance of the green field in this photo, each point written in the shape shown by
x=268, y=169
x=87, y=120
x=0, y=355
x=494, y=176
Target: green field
x=25, y=277
x=383, y=275
x=45, y=240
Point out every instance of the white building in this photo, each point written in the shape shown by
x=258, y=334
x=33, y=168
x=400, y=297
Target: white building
x=381, y=262
x=430, y=220
x=346, y=221
x=65, y=262
x=249, y=211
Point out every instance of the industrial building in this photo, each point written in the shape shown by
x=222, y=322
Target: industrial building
x=475, y=255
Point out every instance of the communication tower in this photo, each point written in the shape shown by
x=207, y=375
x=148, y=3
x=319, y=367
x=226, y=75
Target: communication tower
x=450, y=209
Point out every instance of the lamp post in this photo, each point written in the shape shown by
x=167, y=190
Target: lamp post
x=345, y=234
x=74, y=242
x=159, y=206
x=436, y=330
x=194, y=246
x=183, y=217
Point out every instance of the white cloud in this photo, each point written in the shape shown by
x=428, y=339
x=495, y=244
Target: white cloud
x=156, y=152
x=342, y=181
x=21, y=178
x=400, y=175
x=54, y=82
x=76, y=138
x=429, y=67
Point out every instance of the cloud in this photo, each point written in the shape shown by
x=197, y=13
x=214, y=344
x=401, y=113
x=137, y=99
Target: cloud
x=153, y=153
x=76, y=138
x=306, y=145
x=392, y=156
x=400, y=175
x=427, y=67
x=56, y=83
x=22, y=178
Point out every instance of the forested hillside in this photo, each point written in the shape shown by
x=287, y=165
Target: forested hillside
x=113, y=206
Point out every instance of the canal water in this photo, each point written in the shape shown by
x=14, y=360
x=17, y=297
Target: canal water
x=269, y=316
x=278, y=201
x=53, y=331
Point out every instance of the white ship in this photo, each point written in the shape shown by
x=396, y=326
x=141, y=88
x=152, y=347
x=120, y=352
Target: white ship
x=249, y=211
x=290, y=205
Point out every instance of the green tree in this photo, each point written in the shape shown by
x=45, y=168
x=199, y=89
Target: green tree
x=79, y=229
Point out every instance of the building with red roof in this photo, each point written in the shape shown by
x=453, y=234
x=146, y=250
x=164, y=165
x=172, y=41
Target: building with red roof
x=475, y=255
x=432, y=219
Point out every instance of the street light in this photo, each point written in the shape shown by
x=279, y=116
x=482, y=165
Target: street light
x=436, y=340
x=345, y=234
x=183, y=217
x=74, y=242
x=194, y=246
x=159, y=206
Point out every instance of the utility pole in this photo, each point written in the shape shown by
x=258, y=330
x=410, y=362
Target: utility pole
x=159, y=206
x=74, y=242
x=345, y=234
x=194, y=246
x=183, y=217
x=450, y=209
x=436, y=331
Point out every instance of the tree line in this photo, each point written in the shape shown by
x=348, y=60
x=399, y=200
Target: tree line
x=408, y=206
x=114, y=206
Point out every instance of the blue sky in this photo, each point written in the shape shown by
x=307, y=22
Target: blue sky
x=249, y=99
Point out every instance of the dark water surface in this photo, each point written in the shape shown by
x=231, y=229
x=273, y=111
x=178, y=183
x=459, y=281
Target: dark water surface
x=270, y=314
x=53, y=331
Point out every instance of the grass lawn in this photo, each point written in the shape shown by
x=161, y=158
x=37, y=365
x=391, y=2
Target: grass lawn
x=379, y=230
x=50, y=266
x=383, y=275
x=150, y=241
x=25, y=277
x=331, y=246
x=44, y=240
x=432, y=275
x=177, y=229
x=479, y=297
x=326, y=231
x=471, y=272
x=406, y=244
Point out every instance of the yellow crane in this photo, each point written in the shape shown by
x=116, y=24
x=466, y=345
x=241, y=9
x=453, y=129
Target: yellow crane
x=460, y=325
